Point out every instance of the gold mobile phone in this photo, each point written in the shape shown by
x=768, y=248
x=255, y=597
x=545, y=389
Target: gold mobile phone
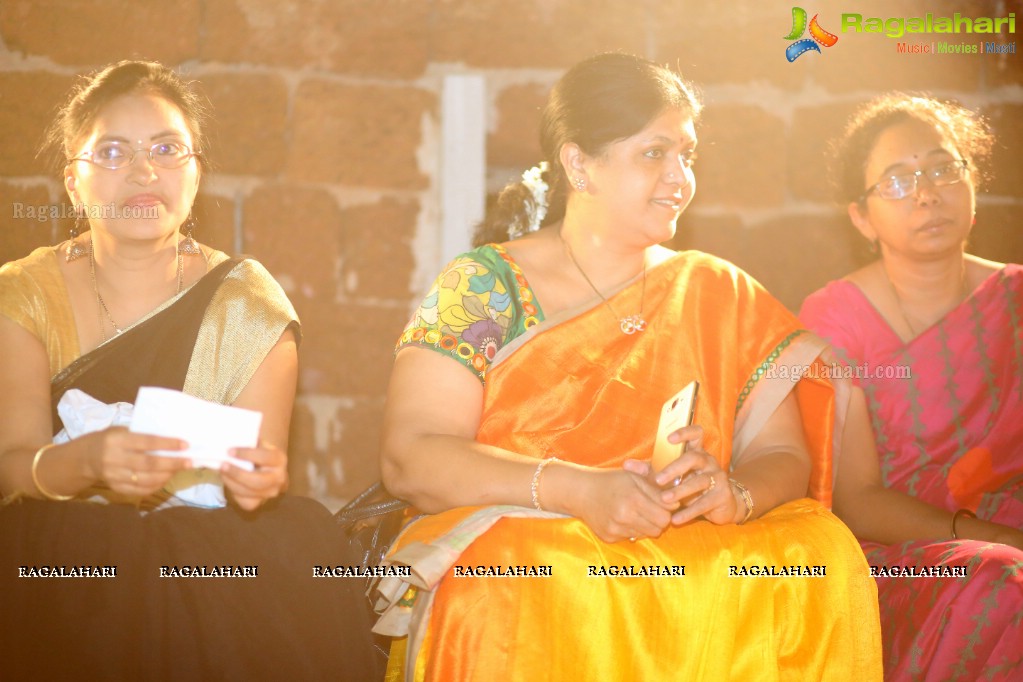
x=676, y=413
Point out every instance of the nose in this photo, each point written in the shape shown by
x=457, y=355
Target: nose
x=141, y=168
x=677, y=170
x=926, y=191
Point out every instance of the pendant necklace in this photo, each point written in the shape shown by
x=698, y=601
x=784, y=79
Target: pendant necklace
x=102, y=304
x=630, y=324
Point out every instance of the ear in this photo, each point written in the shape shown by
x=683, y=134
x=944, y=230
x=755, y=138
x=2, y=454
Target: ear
x=70, y=183
x=574, y=161
x=861, y=220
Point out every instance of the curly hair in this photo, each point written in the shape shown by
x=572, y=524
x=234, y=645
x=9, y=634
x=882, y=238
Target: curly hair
x=968, y=131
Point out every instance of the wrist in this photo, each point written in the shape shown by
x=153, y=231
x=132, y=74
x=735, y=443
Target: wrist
x=560, y=488
x=743, y=501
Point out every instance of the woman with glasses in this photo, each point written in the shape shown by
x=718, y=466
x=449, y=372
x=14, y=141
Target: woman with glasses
x=134, y=302
x=931, y=472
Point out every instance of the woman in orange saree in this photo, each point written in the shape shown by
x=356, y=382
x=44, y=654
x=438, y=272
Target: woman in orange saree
x=553, y=551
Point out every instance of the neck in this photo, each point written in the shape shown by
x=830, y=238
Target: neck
x=607, y=262
x=136, y=270
x=926, y=282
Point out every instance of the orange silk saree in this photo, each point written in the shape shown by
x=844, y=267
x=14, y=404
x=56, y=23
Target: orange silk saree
x=576, y=388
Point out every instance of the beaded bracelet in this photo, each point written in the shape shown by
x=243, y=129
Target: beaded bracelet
x=534, y=487
x=747, y=499
x=955, y=517
x=35, y=476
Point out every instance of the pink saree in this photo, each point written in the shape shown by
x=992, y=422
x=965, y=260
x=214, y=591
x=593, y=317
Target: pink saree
x=947, y=415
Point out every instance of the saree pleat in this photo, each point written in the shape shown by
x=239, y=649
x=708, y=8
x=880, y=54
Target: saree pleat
x=578, y=389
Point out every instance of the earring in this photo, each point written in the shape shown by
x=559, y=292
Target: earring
x=76, y=249
x=188, y=245
x=579, y=183
x=872, y=245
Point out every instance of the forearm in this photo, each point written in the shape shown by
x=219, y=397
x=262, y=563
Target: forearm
x=437, y=472
x=888, y=516
x=772, y=478
x=60, y=470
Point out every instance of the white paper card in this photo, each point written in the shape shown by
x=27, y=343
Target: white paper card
x=210, y=429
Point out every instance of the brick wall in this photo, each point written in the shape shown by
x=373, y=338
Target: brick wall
x=326, y=145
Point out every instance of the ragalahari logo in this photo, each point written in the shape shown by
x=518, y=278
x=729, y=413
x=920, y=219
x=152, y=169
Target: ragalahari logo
x=817, y=35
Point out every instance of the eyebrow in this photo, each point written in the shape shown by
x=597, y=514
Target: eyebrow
x=157, y=136
x=887, y=172
x=671, y=140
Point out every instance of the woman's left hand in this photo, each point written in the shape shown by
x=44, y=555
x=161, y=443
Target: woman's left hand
x=703, y=488
x=250, y=489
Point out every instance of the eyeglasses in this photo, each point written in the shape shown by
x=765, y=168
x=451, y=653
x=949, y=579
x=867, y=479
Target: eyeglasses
x=117, y=155
x=905, y=184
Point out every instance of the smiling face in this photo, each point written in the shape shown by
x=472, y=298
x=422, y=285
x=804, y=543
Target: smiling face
x=141, y=189
x=933, y=221
x=643, y=183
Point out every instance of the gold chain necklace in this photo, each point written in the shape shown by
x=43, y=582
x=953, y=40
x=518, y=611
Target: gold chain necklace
x=103, y=305
x=629, y=324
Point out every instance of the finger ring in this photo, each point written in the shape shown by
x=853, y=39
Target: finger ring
x=712, y=484
x=676, y=481
x=632, y=539
x=134, y=477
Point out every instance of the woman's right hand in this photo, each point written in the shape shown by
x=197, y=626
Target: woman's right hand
x=122, y=460
x=617, y=504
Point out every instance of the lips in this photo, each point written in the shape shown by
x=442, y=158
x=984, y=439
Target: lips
x=674, y=203
x=934, y=224
x=143, y=200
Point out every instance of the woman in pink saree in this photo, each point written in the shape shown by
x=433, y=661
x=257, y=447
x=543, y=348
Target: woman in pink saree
x=931, y=477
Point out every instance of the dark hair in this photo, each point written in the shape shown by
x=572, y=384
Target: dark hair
x=95, y=91
x=968, y=131
x=597, y=102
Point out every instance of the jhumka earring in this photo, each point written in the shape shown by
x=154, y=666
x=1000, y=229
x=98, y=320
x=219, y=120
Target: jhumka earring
x=188, y=245
x=76, y=249
x=579, y=183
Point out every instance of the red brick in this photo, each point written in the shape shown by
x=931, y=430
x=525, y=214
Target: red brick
x=742, y=152
x=535, y=33
x=871, y=60
x=293, y=231
x=214, y=218
x=996, y=234
x=793, y=256
x=347, y=348
x=29, y=101
x=376, y=249
x=722, y=236
x=358, y=135
x=808, y=157
x=20, y=235
x=249, y=127
x=1005, y=161
x=738, y=42
x=379, y=38
x=515, y=141
x=95, y=33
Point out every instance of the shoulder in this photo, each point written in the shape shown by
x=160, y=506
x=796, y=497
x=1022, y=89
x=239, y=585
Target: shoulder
x=25, y=283
x=250, y=284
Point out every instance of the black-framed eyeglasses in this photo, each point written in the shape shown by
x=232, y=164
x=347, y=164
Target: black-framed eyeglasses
x=905, y=184
x=117, y=155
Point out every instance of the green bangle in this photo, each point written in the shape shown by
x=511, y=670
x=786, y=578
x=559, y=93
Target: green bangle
x=955, y=517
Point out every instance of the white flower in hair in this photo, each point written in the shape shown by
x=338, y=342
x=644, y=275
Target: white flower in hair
x=537, y=208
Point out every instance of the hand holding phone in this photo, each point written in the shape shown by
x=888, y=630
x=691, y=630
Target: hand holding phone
x=676, y=413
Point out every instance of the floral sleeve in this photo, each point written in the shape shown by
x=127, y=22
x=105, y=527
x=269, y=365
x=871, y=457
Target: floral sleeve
x=479, y=303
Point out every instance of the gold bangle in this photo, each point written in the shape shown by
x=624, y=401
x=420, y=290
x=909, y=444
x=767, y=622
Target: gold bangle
x=534, y=487
x=747, y=499
x=35, y=476
x=955, y=517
